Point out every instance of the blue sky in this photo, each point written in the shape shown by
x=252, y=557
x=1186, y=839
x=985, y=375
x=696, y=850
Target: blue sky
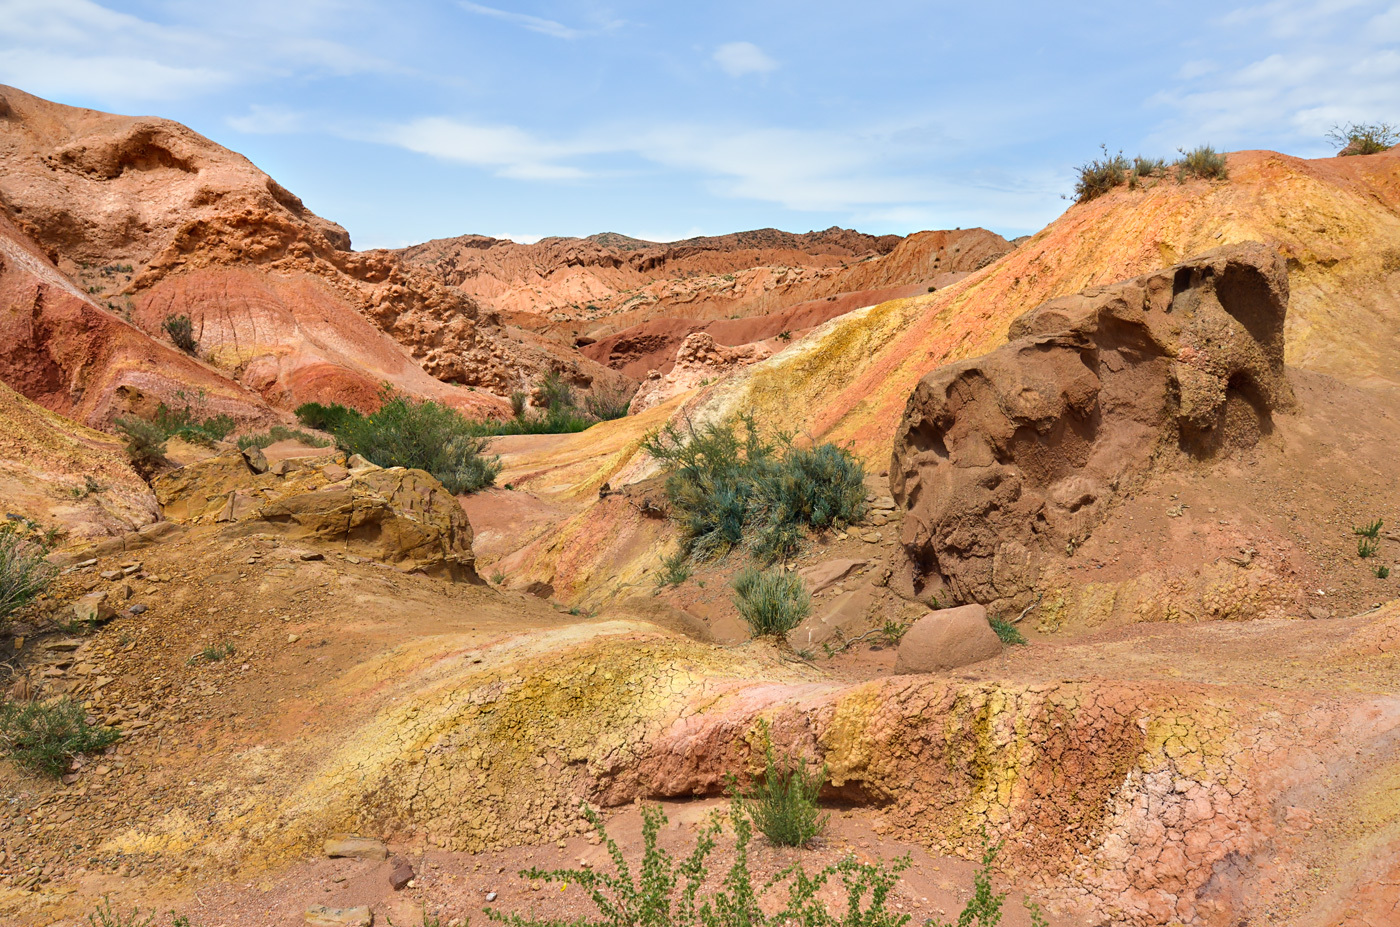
x=410, y=120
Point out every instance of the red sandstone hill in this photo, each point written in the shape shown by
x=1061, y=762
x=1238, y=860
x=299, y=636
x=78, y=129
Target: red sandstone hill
x=113, y=223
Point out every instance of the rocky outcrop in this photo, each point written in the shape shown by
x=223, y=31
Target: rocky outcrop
x=1011, y=458
x=698, y=361
x=396, y=516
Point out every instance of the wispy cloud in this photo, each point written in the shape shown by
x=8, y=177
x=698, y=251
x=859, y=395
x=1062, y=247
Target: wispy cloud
x=526, y=21
x=739, y=58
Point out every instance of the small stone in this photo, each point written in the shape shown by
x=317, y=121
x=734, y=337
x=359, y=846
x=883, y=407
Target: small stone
x=334, y=473
x=322, y=916
x=490, y=896
x=342, y=845
x=64, y=646
x=131, y=569
x=110, y=575
x=1319, y=613
x=93, y=608
x=312, y=555
x=293, y=638
x=140, y=608
x=401, y=874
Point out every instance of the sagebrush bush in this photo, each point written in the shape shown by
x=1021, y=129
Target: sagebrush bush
x=1008, y=632
x=728, y=486
x=1203, y=162
x=771, y=602
x=607, y=404
x=181, y=332
x=24, y=573
x=1355, y=138
x=45, y=736
x=1100, y=175
x=671, y=892
x=783, y=803
x=144, y=441
x=423, y=435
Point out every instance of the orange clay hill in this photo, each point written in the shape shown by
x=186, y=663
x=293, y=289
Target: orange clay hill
x=1141, y=454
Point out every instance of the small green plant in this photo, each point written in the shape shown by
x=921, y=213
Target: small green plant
x=772, y=602
x=280, y=433
x=785, y=335
x=497, y=578
x=1370, y=530
x=893, y=632
x=667, y=892
x=1007, y=631
x=213, y=653
x=45, y=736
x=1203, y=162
x=783, y=803
x=24, y=573
x=145, y=440
x=108, y=916
x=181, y=332
x=984, y=907
x=1382, y=571
x=1148, y=167
x=90, y=487
x=1364, y=138
x=518, y=400
x=675, y=569
x=1366, y=548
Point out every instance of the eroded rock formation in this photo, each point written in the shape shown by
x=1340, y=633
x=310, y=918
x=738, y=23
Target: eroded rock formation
x=1016, y=456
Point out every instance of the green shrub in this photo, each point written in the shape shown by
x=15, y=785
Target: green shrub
x=280, y=433
x=1366, y=548
x=423, y=435
x=24, y=573
x=1362, y=138
x=667, y=892
x=606, y=404
x=783, y=803
x=45, y=737
x=675, y=569
x=181, y=332
x=1382, y=572
x=1148, y=167
x=771, y=602
x=728, y=486
x=213, y=653
x=1203, y=162
x=1007, y=631
x=145, y=440
x=1371, y=529
x=329, y=418
x=1100, y=175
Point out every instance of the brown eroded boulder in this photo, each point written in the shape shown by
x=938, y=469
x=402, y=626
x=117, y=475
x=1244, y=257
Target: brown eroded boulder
x=395, y=515
x=1008, y=458
x=699, y=360
x=947, y=639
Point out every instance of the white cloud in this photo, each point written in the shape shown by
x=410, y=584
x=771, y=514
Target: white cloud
x=525, y=21
x=268, y=120
x=509, y=150
x=739, y=58
x=106, y=77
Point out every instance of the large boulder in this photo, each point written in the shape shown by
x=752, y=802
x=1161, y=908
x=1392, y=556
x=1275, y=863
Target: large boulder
x=947, y=639
x=1008, y=458
x=395, y=515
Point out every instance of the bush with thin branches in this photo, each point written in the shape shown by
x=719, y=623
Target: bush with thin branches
x=1356, y=138
x=782, y=803
x=772, y=602
x=45, y=736
x=24, y=573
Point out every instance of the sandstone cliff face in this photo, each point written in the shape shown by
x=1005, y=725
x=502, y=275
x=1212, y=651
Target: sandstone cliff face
x=150, y=219
x=1004, y=459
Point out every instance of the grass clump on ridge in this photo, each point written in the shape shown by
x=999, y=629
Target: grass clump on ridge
x=728, y=486
x=181, y=332
x=45, y=736
x=1203, y=162
x=771, y=602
